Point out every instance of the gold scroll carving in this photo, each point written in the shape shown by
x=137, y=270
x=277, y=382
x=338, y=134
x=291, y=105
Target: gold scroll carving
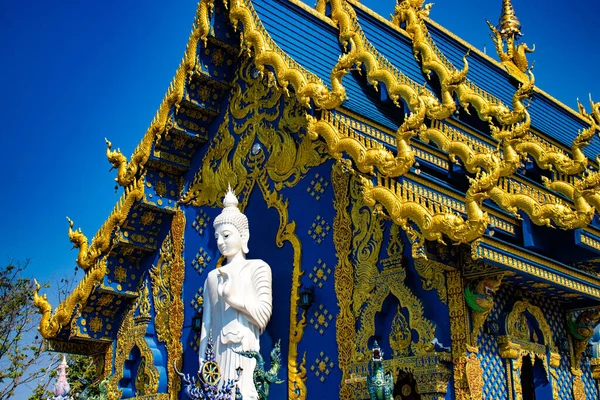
x=167, y=289
x=459, y=332
x=372, y=287
x=260, y=112
x=517, y=344
x=344, y=282
x=131, y=334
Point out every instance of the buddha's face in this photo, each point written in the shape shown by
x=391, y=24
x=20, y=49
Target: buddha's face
x=229, y=240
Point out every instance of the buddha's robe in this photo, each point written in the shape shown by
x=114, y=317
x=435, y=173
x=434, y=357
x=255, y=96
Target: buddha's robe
x=232, y=329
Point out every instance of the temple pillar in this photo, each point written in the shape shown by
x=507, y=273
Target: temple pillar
x=459, y=332
x=432, y=381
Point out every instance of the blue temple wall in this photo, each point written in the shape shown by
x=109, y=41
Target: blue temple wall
x=311, y=206
x=495, y=368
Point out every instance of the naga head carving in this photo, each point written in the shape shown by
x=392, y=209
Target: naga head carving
x=76, y=236
x=479, y=295
x=115, y=157
x=585, y=324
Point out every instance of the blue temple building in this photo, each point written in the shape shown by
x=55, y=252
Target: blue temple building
x=404, y=187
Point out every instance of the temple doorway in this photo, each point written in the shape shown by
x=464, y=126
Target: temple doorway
x=405, y=387
x=534, y=382
x=527, y=384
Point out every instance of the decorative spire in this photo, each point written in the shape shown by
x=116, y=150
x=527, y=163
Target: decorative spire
x=509, y=23
x=62, y=387
x=506, y=35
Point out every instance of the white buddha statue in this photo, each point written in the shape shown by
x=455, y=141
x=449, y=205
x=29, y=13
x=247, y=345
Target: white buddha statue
x=237, y=299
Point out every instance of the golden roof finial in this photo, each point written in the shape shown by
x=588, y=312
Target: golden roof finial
x=509, y=23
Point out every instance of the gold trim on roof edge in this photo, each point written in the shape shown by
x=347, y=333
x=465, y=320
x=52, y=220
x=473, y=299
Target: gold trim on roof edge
x=288, y=72
x=313, y=12
x=95, y=269
x=345, y=323
x=410, y=11
x=510, y=135
x=88, y=254
x=480, y=53
x=487, y=106
x=508, y=259
x=127, y=171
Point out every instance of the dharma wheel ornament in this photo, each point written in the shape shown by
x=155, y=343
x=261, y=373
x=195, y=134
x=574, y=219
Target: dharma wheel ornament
x=208, y=386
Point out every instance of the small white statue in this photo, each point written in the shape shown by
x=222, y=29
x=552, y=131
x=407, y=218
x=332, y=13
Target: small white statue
x=237, y=299
x=61, y=386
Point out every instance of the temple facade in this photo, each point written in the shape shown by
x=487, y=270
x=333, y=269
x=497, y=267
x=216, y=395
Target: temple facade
x=404, y=187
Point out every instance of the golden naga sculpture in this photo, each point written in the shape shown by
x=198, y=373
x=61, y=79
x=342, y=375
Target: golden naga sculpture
x=308, y=86
x=50, y=324
x=361, y=53
x=516, y=141
x=88, y=254
x=341, y=138
x=509, y=31
x=409, y=15
x=432, y=225
x=119, y=162
x=366, y=158
x=584, y=192
x=543, y=213
x=80, y=241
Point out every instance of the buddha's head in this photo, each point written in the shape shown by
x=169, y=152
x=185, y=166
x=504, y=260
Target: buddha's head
x=231, y=227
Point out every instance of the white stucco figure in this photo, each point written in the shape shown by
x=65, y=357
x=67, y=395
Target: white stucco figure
x=237, y=299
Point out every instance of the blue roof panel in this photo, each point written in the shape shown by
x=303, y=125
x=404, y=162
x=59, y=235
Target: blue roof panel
x=314, y=44
x=392, y=45
x=487, y=76
x=309, y=41
x=546, y=116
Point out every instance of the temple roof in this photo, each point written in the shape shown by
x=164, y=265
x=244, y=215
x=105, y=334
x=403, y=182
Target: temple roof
x=550, y=117
x=305, y=55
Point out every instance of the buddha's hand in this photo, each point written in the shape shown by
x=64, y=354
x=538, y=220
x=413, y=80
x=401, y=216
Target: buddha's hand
x=229, y=293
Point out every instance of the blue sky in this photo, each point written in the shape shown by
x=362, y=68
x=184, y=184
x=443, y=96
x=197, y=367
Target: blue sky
x=74, y=72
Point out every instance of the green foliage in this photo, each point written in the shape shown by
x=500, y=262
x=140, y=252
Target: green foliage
x=20, y=345
x=23, y=361
x=83, y=376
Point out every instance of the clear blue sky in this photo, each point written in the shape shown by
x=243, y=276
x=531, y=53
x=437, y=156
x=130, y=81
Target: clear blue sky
x=74, y=72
